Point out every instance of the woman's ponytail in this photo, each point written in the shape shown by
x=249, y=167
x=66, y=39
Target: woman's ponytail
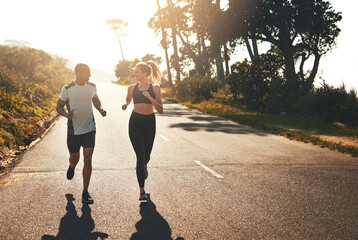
x=155, y=73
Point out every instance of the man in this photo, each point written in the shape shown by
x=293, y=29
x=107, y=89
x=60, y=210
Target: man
x=78, y=97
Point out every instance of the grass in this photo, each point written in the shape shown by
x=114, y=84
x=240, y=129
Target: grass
x=291, y=126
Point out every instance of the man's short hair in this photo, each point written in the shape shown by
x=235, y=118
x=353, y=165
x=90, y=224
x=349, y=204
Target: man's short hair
x=80, y=67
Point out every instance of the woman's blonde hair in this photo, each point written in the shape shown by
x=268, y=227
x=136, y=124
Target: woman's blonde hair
x=151, y=69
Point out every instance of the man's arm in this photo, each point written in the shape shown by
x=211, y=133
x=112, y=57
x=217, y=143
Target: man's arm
x=97, y=104
x=60, y=105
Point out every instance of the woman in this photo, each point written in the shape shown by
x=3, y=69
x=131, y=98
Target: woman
x=142, y=121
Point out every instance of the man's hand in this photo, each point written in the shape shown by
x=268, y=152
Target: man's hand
x=70, y=114
x=103, y=112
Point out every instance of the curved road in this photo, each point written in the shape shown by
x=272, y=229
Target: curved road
x=208, y=179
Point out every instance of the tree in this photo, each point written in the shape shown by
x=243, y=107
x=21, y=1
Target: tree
x=25, y=60
x=301, y=29
x=123, y=69
x=192, y=35
x=214, y=30
x=118, y=25
x=164, y=44
x=175, y=44
x=151, y=57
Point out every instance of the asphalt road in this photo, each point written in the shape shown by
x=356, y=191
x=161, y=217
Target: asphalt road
x=208, y=179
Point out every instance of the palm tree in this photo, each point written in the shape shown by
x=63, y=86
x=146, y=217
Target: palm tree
x=118, y=25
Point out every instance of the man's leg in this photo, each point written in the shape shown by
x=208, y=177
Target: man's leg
x=74, y=158
x=74, y=146
x=87, y=168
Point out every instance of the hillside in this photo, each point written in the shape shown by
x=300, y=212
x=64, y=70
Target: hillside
x=30, y=82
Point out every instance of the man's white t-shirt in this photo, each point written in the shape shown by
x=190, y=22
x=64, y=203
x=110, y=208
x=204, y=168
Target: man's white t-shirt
x=79, y=99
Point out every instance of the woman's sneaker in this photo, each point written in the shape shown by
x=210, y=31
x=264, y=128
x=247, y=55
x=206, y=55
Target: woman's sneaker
x=86, y=198
x=143, y=197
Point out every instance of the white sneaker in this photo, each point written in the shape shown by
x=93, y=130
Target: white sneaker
x=143, y=197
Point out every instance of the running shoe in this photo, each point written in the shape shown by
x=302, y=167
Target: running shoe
x=86, y=198
x=143, y=197
x=70, y=173
x=145, y=172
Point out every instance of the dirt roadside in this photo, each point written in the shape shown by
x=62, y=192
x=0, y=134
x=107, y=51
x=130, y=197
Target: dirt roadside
x=9, y=157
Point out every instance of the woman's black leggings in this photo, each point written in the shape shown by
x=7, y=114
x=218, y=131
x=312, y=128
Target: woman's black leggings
x=142, y=133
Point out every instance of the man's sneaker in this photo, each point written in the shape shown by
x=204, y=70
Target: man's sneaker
x=145, y=172
x=86, y=198
x=143, y=197
x=70, y=173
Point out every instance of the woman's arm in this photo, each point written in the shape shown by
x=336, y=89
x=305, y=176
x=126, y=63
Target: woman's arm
x=157, y=102
x=129, y=97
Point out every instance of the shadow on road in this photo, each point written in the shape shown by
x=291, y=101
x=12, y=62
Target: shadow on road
x=152, y=225
x=206, y=122
x=75, y=227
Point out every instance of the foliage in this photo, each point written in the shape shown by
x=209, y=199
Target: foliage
x=187, y=20
x=30, y=82
x=259, y=85
x=300, y=29
x=124, y=69
x=197, y=88
x=329, y=104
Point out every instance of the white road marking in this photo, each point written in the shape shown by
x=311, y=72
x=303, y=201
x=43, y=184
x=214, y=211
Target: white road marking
x=209, y=170
x=166, y=139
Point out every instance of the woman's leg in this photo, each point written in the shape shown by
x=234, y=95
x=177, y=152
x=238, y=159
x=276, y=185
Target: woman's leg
x=137, y=139
x=149, y=135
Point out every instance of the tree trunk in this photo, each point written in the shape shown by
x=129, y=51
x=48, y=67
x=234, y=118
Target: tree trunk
x=253, y=51
x=218, y=62
x=120, y=45
x=226, y=58
x=293, y=88
x=164, y=36
x=248, y=46
x=199, y=63
x=308, y=84
x=254, y=46
x=218, y=56
x=175, y=46
x=205, y=56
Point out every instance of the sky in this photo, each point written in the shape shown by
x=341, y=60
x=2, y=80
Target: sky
x=76, y=30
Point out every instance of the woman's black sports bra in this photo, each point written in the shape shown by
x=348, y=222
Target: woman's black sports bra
x=138, y=96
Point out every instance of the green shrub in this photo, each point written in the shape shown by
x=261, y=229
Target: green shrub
x=277, y=96
x=248, y=84
x=197, y=88
x=329, y=104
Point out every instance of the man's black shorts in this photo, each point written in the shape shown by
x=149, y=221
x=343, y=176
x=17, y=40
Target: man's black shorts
x=75, y=142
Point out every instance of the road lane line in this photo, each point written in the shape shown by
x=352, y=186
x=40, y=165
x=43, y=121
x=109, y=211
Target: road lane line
x=209, y=170
x=166, y=139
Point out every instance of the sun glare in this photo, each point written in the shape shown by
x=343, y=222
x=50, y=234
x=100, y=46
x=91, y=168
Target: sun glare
x=77, y=30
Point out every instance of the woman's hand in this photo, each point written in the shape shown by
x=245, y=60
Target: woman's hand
x=146, y=94
x=124, y=106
